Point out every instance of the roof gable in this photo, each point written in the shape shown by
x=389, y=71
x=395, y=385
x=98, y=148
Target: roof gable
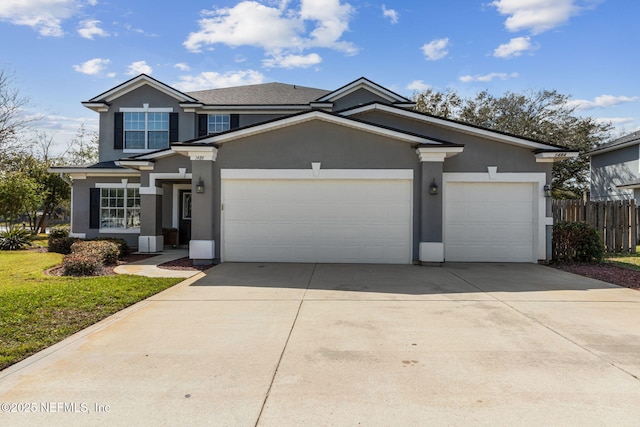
x=321, y=116
x=364, y=83
x=259, y=94
x=458, y=126
x=103, y=100
x=622, y=142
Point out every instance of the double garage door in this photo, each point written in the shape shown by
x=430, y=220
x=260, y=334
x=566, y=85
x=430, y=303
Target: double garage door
x=317, y=220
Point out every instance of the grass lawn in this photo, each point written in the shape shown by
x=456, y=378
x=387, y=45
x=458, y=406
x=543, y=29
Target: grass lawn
x=630, y=261
x=37, y=310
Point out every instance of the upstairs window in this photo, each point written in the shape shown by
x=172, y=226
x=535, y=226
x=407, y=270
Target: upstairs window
x=219, y=123
x=145, y=129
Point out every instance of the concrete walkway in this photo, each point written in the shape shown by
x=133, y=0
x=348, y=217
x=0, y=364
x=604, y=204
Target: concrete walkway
x=307, y=344
x=149, y=267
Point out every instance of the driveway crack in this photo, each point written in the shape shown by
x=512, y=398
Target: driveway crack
x=286, y=344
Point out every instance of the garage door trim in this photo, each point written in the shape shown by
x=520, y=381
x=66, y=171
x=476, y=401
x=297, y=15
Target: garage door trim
x=539, y=203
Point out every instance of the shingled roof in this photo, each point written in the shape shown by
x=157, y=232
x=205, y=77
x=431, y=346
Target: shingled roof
x=260, y=94
x=622, y=142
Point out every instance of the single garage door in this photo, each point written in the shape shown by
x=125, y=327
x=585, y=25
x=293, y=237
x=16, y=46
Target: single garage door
x=317, y=220
x=489, y=222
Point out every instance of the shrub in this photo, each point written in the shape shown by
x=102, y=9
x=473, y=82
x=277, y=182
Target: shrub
x=14, y=239
x=61, y=245
x=104, y=252
x=59, y=232
x=576, y=242
x=123, y=246
x=80, y=264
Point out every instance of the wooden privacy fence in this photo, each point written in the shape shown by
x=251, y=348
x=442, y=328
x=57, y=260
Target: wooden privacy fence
x=616, y=221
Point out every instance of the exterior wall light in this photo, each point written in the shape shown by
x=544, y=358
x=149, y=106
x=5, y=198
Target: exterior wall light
x=433, y=188
x=200, y=186
x=547, y=190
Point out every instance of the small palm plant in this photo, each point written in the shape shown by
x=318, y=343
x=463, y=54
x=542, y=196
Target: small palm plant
x=15, y=238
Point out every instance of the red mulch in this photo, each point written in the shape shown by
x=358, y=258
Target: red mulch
x=605, y=272
x=184, y=264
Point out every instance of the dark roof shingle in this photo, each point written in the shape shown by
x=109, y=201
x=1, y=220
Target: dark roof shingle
x=259, y=94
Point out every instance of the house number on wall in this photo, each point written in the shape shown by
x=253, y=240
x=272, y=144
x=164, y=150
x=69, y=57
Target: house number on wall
x=199, y=158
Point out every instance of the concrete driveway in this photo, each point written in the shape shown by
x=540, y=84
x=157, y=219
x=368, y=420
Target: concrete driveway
x=317, y=344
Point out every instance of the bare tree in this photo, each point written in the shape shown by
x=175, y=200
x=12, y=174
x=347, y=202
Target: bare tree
x=13, y=118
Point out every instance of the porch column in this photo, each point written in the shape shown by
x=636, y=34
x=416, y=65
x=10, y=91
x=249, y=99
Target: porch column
x=432, y=159
x=202, y=247
x=150, y=239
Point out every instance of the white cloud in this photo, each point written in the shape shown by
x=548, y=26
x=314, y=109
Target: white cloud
x=615, y=120
x=536, y=16
x=212, y=80
x=514, y=48
x=436, y=49
x=182, y=66
x=90, y=28
x=418, y=85
x=487, y=77
x=293, y=61
x=391, y=14
x=139, y=67
x=602, y=101
x=92, y=66
x=318, y=23
x=44, y=16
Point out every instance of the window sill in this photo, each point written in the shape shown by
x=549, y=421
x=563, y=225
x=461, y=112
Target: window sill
x=119, y=230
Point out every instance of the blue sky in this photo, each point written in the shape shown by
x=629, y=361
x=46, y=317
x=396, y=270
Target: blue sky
x=62, y=52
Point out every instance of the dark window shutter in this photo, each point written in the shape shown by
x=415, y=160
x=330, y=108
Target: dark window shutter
x=118, y=131
x=235, y=121
x=94, y=208
x=203, y=124
x=173, y=127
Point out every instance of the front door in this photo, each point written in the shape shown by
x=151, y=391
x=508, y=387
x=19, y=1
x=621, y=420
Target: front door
x=184, y=221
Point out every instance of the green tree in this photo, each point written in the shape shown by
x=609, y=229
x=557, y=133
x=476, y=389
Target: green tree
x=13, y=120
x=19, y=194
x=542, y=115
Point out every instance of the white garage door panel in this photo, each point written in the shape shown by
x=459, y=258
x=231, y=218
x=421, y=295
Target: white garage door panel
x=366, y=221
x=489, y=222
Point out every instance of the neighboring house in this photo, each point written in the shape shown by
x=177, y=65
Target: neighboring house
x=615, y=169
x=284, y=173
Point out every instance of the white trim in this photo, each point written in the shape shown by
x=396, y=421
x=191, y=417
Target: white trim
x=431, y=252
x=197, y=152
x=123, y=184
x=175, y=203
x=539, y=203
x=135, y=83
x=360, y=84
x=322, y=174
x=150, y=244
x=551, y=157
x=181, y=174
x=119, y=230
x=145, y=109
x=315, y=168
x=316, y=115
x=202, y=249
x=437, y=154
x=154, y=191
x=492, y=170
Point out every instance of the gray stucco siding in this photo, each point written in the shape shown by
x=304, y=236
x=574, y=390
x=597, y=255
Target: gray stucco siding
x=357, y=97
x=135, y=99
x=614, y=168
x=336, y=147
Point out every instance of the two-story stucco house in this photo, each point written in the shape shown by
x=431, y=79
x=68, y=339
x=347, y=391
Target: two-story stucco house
x=282, y=173
x=615, y=169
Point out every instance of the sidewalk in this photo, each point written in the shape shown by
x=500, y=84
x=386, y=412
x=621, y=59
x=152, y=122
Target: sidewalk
x=149, y=267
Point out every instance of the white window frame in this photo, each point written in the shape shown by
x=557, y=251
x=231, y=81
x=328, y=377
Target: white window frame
x=145, y=109
x=210, y=131
x=125, y=186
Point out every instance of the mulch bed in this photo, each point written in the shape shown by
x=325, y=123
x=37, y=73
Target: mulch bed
x=107, y=270
x=184, y=264
x=606, y=272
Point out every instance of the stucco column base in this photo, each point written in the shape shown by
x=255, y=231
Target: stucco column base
x=431, y=252
x=150, y=244
x=202, y=252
